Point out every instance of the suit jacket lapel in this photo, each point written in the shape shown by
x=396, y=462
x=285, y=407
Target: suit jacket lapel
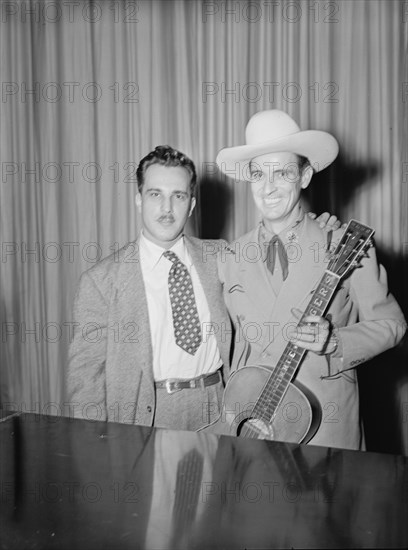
x=196, y=253
x=254, y=275
x=304, y=275
x=208, y=275
x=132, y=301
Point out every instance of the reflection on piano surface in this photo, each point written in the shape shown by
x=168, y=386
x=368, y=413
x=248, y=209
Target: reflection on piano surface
x=78, y=484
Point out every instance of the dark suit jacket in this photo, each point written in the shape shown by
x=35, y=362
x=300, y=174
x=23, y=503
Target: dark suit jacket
x=110, y=374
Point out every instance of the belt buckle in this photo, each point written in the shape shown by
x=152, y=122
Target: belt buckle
x=168, y=383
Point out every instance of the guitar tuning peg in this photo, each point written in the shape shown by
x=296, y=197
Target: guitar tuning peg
x=356, y=262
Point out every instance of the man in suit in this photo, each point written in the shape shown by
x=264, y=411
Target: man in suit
x=270, y=274
x=149, y=354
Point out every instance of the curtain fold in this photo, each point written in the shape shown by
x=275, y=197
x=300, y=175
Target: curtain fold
x=88, y=90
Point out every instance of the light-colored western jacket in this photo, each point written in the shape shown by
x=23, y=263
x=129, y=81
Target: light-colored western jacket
x=368, y=319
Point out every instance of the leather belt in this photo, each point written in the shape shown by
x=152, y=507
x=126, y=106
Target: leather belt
x=172, y=385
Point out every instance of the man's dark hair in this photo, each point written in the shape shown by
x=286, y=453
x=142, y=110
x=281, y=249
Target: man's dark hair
x=166, y=156
x=303, y=162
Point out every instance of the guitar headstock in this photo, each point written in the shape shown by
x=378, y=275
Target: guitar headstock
x=353, y=245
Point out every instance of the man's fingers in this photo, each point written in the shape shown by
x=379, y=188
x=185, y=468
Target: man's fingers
x=297, y=313
x=327, y=221
x=333, y=223
x=313, y=319
x=312, y=334
x=323, y=219
x=308, y=333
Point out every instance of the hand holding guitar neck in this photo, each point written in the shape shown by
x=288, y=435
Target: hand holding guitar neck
x=313, y=333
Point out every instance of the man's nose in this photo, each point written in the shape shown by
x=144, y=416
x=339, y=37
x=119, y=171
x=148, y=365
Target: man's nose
x=166, y=204
x=270, y=184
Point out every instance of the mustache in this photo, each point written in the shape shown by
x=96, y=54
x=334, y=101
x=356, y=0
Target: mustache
x=166, y=218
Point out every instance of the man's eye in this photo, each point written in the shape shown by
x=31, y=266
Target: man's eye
x=180, y=196
x=257, y=176
x=289, y=174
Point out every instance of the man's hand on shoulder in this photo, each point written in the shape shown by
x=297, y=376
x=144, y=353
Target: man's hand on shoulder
x=327, y=221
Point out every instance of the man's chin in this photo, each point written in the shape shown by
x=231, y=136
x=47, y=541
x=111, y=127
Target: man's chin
x=169, y=234
x=273, y=215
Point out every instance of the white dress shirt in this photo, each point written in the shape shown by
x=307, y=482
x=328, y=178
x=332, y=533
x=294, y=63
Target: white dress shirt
x=169, y=360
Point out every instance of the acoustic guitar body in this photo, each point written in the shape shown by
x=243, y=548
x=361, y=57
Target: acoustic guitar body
x=296, y=419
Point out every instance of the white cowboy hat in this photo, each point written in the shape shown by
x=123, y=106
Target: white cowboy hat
x=275, y=131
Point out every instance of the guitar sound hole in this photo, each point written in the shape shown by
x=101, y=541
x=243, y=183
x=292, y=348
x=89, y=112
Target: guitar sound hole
x=255, y=429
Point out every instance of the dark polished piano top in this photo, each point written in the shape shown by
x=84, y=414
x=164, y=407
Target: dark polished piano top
x=79, y=484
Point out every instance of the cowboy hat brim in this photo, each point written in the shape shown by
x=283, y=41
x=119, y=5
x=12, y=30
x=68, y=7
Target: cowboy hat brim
x=321, y=148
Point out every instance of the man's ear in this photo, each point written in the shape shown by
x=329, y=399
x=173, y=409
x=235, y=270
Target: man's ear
x=306, y=176
x=138, y=201
x=192, y=206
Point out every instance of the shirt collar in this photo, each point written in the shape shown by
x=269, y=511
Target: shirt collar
x=153, y=253
x=289, y=234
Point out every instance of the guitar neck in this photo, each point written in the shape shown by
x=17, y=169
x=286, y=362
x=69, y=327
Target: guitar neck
x=292, y=356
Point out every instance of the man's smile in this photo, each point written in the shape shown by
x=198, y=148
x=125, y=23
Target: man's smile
x=271, y=201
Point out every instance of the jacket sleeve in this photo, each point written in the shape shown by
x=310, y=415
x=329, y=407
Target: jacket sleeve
x=85, y=376
x=380, y=323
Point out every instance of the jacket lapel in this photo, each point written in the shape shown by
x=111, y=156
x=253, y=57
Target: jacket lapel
x=132, y=308
x=304, y=275
x=254, y=276
x=208, y=274
x=196, y=253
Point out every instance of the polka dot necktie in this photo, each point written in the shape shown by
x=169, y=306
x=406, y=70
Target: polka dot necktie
x=186, y=323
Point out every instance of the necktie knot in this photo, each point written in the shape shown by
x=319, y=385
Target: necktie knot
x=170, y=255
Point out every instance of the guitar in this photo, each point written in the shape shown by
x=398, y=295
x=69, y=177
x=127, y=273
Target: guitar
x=276, y=408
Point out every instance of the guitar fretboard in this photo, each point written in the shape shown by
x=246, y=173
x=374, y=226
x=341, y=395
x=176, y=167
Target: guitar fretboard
x=277, y=384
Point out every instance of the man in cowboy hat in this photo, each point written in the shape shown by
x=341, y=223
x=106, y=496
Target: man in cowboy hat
x=272, y=270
